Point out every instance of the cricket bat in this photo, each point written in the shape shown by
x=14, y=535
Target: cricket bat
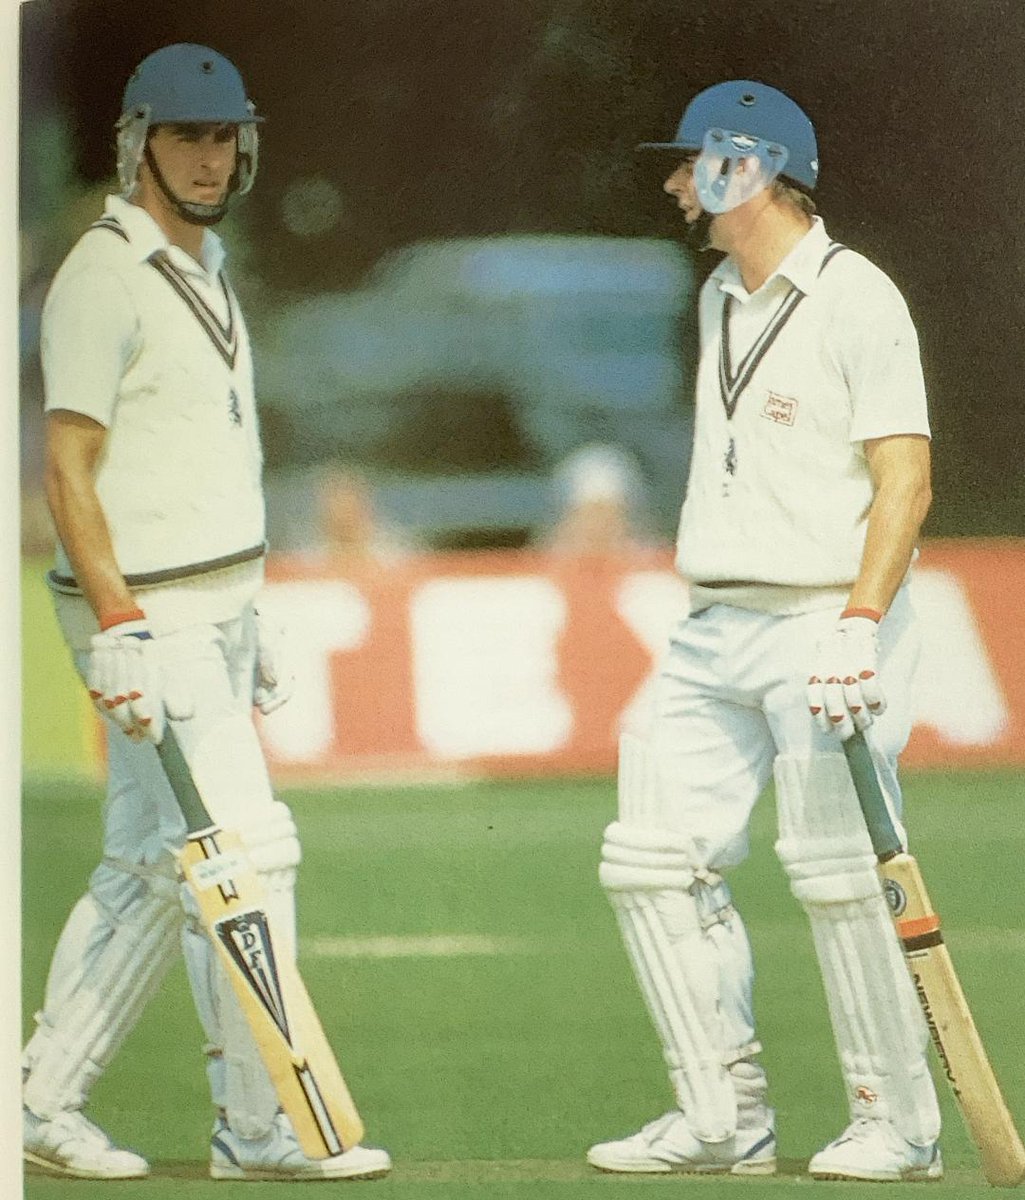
x=954, y=1035
x=273, y=998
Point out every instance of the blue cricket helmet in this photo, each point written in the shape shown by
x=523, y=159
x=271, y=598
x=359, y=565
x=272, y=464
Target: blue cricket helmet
x=743, y=106
x=186, y=84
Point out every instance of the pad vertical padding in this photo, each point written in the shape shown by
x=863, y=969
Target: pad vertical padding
x=648, y=877
x=637, y=783
x=119, y=961
x=877, y=1022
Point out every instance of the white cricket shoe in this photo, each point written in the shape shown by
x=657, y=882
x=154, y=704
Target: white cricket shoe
x=667, y=1145
x=277, y=1156
x=875, y=1150
x=72, y=1145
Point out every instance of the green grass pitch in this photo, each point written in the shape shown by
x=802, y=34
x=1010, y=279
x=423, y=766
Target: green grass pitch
x=470, y=976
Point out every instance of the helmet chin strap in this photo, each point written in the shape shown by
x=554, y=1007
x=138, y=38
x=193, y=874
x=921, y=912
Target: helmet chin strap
x=699, y=232
x=190, y=211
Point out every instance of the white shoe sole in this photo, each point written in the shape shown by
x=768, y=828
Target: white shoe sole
x=858, y=1175
x=56, y=1168
x=765, y=1166
x=270, y=1175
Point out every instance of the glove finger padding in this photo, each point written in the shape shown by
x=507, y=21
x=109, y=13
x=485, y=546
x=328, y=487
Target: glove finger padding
x=126, y=681
x=817, y=703
x=109, y=683
x=844, y=692
x=144, y=711
x=872, y=690
x=839, y=716
x=854, y=699
x=97, y=678
x=273, y=676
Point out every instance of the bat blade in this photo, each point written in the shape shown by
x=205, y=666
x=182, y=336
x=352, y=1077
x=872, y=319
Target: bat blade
x=952, y=1028
x=271, y=993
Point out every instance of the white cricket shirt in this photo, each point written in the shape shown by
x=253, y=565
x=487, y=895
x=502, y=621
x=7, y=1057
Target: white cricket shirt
x=792, y=379
x=152, y=345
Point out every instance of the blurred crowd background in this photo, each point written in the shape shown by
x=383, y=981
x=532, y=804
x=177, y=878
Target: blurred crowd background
x=471, y=312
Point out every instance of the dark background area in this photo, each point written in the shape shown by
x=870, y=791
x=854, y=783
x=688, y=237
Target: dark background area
x=487, y=116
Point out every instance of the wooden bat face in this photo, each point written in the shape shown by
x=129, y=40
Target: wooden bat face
x=955, y=1037
x=271, y=993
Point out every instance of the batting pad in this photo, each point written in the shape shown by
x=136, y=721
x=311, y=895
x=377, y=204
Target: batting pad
x=649, y=880
x=637, y=783
x=111, y=957
x=877, y=1022
x=238, y=1080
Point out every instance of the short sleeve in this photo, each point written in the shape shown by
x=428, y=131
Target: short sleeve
x=88, y=337
x=882, y=364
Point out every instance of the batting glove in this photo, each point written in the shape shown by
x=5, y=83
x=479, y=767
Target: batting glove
x=274, y=675
x=844, y=691
x=124, y=681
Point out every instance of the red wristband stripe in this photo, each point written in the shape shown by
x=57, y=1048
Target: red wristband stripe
x=873, y=614
x=118, y=618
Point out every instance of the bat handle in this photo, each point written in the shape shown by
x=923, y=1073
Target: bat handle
x=182, y=784
x=885, y=839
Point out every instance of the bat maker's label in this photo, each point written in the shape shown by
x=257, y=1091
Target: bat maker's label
x=935, y=1034
x=222, y=868
x=895, y=895
x=246, y=939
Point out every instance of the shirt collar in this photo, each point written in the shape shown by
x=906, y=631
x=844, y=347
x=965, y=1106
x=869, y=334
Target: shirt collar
x=146, y=237
x=799, y=268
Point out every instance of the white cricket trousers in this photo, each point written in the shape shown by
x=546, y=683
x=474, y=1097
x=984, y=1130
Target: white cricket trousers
x=731, y=696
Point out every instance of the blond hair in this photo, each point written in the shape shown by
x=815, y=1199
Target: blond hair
x=783, y=189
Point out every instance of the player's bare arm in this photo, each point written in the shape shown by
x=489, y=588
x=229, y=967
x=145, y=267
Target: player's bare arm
x=74, y=445
x=845, y=691
x=900, y=469
x=121, y=678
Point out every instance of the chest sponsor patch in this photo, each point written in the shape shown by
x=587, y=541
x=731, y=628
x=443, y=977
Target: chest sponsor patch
x=780, y=409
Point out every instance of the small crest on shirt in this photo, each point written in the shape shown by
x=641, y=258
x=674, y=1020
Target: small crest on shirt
x=780, y=409
x=234, y=408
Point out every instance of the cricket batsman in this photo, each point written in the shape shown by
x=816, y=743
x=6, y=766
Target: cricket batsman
x=153, y=476
x=809, y=482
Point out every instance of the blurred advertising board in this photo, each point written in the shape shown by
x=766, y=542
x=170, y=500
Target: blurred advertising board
x=516, y=662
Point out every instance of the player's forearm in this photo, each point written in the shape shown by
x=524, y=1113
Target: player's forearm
x=85, y=536
x=894, y=523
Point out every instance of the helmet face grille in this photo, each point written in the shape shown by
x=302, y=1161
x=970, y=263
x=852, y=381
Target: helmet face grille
x=733, y=167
